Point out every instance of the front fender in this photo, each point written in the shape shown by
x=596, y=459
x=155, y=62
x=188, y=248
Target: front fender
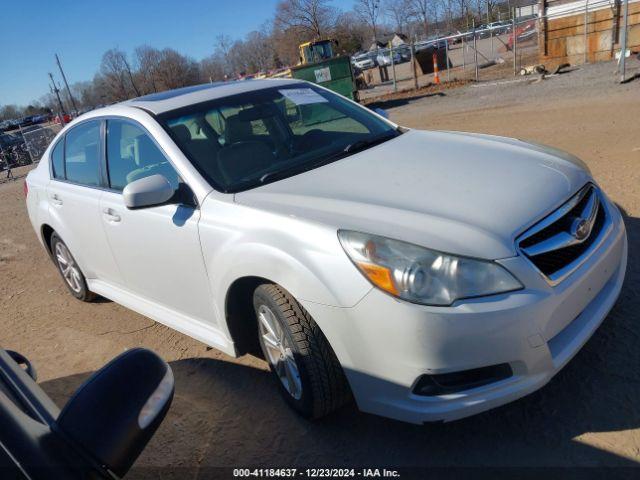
x=306, y=259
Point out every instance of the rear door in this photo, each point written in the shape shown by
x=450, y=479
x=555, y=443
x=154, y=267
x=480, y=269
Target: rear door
x=156, y=248
x=74, y=200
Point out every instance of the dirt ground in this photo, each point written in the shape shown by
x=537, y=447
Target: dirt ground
x=227, y=412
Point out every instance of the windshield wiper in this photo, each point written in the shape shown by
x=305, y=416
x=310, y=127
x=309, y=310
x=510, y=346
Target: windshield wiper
x=369, y=142
x=278, y=174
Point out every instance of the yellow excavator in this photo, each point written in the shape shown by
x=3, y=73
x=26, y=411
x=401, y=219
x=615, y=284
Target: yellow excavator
x=317, y=51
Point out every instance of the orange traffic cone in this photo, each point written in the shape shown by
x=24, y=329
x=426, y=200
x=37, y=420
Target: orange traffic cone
x=436, y=76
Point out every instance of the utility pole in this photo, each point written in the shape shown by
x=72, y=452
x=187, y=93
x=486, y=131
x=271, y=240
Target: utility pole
x=475, y=49
x=64, y=78
x=515, y=44
x=55, y=90
x=393, y=67
x=623, y=42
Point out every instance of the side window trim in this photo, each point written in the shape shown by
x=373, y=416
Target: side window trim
x=104, y=175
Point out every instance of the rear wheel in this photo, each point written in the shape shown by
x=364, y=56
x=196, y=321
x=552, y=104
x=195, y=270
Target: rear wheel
x=69, y=270
x=300, y=357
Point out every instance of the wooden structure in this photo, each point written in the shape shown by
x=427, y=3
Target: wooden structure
x=562, y=34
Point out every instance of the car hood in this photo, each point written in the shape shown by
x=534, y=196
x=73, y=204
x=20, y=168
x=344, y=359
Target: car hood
x=467, y=194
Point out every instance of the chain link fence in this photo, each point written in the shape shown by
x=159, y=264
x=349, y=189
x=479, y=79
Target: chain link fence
x=541, y=44
x=37, y=138
x=24, y=147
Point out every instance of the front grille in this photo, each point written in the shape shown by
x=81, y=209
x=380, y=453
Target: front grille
x=557, y=244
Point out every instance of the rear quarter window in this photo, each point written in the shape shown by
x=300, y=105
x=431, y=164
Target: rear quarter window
x=57, y=160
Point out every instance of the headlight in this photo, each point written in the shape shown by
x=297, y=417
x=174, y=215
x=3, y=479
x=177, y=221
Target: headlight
x=421, y=275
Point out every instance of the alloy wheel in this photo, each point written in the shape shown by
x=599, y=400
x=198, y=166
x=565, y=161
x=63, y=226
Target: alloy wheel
x=68, y=268
x=279, y=352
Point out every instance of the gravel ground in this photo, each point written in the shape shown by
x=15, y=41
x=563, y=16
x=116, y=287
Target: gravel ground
x=227, y=412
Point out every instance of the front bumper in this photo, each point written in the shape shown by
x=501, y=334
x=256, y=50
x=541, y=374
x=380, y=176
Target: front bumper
x=385, y=344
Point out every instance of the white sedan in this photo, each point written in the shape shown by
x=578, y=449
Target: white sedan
x=364, y=62
x=430, y=275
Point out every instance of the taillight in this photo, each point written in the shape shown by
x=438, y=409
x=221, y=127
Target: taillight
x=25, y=189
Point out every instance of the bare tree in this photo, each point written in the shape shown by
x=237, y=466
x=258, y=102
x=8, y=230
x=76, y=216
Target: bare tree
x=422, y=10
x=315, y=18
x=9, y=112
x=350, y=33
x=176, y=70
x=369, y=11
x=147, y=61
x=117, y=74
x=86, y=94
x=398, y=12
x=212, y=69
x=461, y=9
x=259, y=51
x=223, y=47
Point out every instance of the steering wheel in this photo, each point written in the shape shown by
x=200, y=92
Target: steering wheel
x=147, y=171
x=307, y=138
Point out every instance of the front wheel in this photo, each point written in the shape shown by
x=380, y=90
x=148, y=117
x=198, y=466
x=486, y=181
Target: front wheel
x=300, y=357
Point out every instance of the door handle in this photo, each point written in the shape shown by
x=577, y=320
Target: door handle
x=56, y=200
x=111, y=215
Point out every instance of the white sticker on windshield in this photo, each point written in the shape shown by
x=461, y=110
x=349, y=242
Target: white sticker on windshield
x=302, y=96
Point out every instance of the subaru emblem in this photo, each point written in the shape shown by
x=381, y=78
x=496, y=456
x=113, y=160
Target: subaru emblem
x=580, y=229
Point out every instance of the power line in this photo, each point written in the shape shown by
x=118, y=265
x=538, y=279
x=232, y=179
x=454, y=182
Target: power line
x=55, y=90
x=64, y=78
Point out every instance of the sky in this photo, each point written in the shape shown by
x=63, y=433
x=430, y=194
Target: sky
x=81, y=31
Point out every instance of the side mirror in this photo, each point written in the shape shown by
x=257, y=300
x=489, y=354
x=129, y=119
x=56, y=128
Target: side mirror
x=117, y=410
x=147, y=192
x=381, y=112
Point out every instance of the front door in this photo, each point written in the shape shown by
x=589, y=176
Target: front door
x=157, y=249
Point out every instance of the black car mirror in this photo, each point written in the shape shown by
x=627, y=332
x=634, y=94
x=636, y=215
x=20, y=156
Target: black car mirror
x=114, y=414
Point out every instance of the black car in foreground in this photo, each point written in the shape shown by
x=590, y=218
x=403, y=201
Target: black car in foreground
x=97, y=435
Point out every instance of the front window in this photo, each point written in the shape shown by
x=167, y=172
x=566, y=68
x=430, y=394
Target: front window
x=132, y=155
x=257, y=137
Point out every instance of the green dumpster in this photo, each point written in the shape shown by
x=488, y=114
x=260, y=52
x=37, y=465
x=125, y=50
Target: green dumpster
x=335, y=74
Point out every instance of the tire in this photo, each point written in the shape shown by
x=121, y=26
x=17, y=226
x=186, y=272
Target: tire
x=322, y=387
x=69, y=270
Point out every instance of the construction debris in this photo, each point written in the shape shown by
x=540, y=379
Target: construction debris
x=542, y=70
x=531, y=69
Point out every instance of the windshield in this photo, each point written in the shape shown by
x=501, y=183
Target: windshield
x=246, y=140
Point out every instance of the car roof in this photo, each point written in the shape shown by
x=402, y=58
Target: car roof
x=181, y=97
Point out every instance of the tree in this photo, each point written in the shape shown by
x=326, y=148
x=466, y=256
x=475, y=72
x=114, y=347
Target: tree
x=259, y=51
x=9, y=112
x=147, y=61
x=369, y=11
x=350, y=33
x=315, y=18
x=398, y=11
x=223, y=47
x=422, y=10
x=117, y=75
x=176, y=70
x=212, y=69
